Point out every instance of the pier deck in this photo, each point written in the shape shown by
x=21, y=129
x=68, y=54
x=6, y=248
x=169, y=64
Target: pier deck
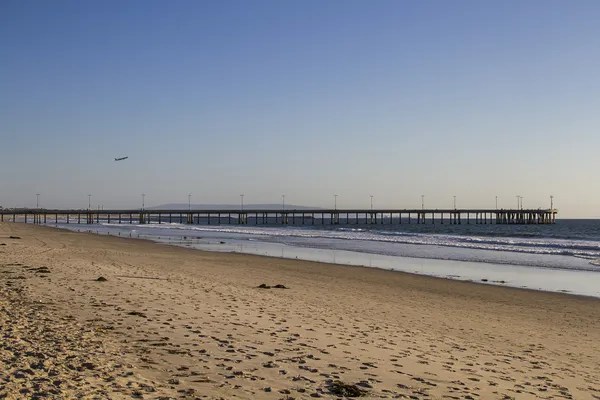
x=286, y=217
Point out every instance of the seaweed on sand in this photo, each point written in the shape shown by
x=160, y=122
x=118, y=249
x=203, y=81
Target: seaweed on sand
x=345, y=389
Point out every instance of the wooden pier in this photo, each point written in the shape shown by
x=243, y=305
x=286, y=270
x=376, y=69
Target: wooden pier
x=285, y=217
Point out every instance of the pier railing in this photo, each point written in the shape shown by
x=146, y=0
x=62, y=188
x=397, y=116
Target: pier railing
x=285, y=217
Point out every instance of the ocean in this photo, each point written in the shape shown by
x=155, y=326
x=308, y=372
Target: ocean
x=561, y=257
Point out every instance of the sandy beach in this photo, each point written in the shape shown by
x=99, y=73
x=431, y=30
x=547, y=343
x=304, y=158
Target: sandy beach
x=170, y=322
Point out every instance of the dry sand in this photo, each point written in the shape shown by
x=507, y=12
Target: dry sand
x=172, y=322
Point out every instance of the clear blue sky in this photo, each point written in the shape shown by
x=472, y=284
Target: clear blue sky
x=304, y=98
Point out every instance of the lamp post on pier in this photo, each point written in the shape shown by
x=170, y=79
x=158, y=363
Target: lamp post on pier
x=551, y=203
x=242, y=200
x=190, y=202
x=371, y=203
x=283, y=202
x=89, y=201
x=37, y=201
x=143, y=201
x=521, y=197
x=454, y=202
x=335, y=201
x=496, y=202
x=422, y=202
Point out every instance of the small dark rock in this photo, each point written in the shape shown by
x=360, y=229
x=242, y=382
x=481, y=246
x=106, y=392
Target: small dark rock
x=88, y=365
x=264, y=286
x=38, y=365
x=280, y=286
x=14, y=237
x=484, y=280
x=270, y=364
x=101, y=279
x=148, y=388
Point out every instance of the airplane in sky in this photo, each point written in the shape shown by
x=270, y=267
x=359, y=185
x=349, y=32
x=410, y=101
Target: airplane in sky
x=121, y=158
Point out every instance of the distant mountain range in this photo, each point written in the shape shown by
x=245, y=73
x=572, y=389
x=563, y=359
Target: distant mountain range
x=184, y=206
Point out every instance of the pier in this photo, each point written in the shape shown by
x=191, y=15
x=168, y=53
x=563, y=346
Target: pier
x=285, y=217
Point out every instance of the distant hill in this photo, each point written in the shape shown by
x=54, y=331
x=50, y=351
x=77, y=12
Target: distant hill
x=185, y=206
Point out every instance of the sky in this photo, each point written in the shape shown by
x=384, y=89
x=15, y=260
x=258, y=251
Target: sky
x=312, y=98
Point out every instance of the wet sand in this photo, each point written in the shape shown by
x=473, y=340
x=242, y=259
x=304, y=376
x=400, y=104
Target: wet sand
x=171, y=322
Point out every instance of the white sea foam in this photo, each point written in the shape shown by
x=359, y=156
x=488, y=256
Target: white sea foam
x=579, y=248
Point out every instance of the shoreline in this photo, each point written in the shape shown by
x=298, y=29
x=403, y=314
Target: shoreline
x=571, y=259
x=343, y=267
x=578, y=282
x=181, y=322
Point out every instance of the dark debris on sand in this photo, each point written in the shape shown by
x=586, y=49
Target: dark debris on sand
x=278, y=286
x=137, y=314
x=340, y=388
x=39, y=270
